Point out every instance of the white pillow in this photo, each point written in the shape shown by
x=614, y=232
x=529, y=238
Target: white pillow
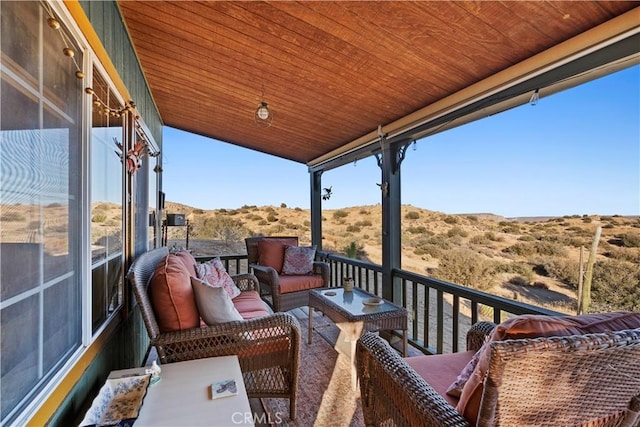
x=214, y=304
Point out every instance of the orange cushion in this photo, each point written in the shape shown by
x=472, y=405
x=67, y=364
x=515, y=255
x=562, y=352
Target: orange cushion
x=271, y=252
x=534, y=326
x=250, y=305
x=299, y=283
x=440, y=370
x=172, y=297
x=605, y=322
x=188, y=260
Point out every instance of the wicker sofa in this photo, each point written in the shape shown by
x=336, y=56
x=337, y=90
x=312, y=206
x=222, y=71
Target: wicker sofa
x=268, y=346
x=577, y=380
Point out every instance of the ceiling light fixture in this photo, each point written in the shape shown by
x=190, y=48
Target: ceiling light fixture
x=263, y=116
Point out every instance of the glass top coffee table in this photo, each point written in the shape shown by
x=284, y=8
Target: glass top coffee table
x=355, y=311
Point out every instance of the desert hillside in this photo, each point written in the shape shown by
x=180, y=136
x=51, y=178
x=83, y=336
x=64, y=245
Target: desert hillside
x=536, y=260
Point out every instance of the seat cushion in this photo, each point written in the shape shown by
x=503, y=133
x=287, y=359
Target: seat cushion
x=172, y=296
x=299, y=283
x=440, y=370
x=271, y=251
x=534, y=326
x=455, y=389
x=250, y=305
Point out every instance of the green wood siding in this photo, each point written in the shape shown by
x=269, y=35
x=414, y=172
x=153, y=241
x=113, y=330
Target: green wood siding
x=107, y=22
x=125, y=348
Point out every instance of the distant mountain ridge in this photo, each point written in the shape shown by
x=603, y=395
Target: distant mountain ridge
x=479, y=215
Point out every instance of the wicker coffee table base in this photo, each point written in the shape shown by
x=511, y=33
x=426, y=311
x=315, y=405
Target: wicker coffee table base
x=352, y=325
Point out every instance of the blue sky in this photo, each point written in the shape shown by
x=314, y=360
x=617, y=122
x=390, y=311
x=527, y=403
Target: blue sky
x=575, y=152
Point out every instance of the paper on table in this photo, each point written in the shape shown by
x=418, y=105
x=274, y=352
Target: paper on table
x=223, y=389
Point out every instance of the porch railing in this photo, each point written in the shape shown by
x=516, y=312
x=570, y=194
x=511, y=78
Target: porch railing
x=440, y=313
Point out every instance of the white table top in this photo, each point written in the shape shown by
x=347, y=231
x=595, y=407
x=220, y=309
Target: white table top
x=183, y=395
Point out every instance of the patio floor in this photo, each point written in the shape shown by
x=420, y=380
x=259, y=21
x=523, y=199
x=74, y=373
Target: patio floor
x=325, y=396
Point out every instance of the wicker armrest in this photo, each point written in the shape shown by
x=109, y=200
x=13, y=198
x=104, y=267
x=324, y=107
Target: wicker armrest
x=246, y=282
x=267, y=275
x=392, y=390
x=323, y=268
x=478, y=334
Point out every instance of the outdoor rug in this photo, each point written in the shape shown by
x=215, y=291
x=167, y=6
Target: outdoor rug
x=325, y=397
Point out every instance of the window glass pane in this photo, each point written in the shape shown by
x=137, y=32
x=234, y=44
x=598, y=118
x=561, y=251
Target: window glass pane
x=54, y=153
x=115, y=281
x=59, y=72
x=40, y=203
x=20, y=27
x=20, y=344
x=98, y=296
x=23, y=113
x=63, y=329
x=106, y=203
x=106, y=176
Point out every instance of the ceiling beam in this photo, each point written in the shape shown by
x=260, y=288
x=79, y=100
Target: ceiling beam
x=566, y=64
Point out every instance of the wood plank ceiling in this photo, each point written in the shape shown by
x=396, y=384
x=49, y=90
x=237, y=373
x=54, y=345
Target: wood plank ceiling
x=332, y=72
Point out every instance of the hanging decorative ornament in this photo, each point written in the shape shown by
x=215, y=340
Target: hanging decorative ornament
x=54, y=24
x=134, y=156
x=133, y=159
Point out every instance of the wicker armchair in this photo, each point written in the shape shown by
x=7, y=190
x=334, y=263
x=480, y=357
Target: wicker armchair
x=271, y=282
x=268, y=348
x=574, y=380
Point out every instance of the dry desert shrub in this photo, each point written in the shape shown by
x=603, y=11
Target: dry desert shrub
x=340, y=214
x=623, y=254
x=616, y=286
x=99, y=217
x=467, y=268
x=450, y=219
x=631, y=240
x=564, y=270
x=412, y=215
x=519, y=281
x=457, y=231
x=12, y=217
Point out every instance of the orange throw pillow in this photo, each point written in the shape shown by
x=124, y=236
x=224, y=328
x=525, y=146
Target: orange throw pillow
x=188, y=260
x=172, y=296
x=271, y=252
